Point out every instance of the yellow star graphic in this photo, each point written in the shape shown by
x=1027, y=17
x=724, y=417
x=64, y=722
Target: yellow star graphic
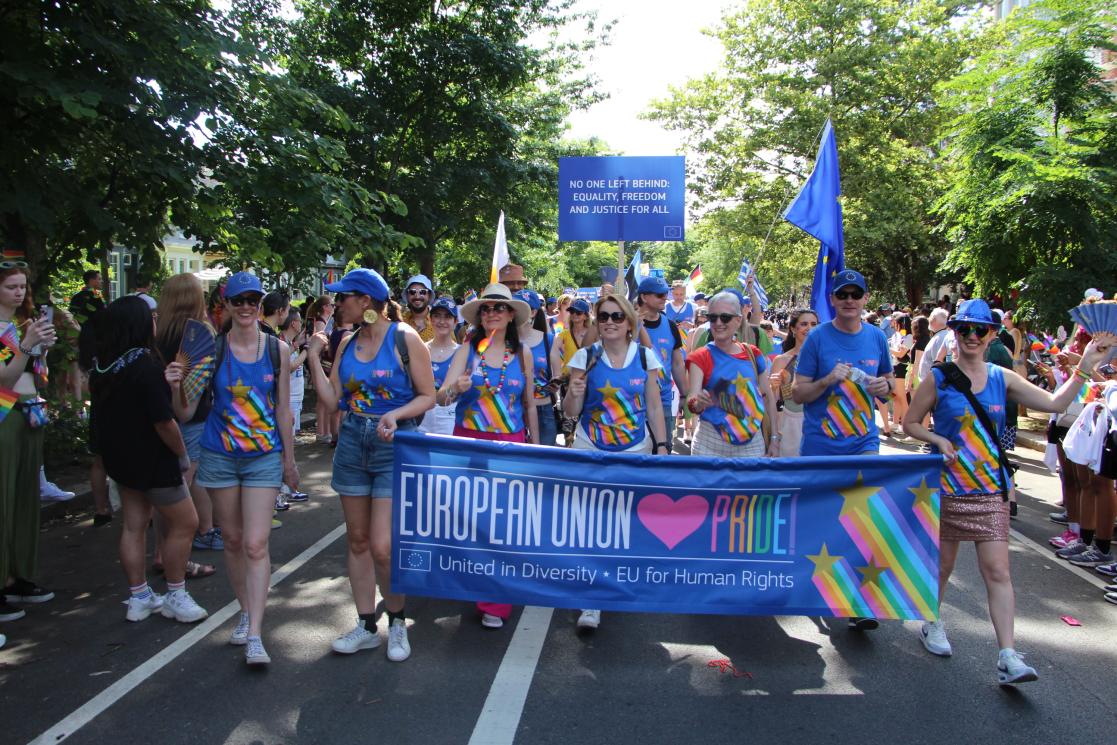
x=823, y=561
x=240, y=390
x=870, y=575
x=352, y=385
x=923, y=493
x=966, y=419
x=834, y=399
x=608, y=390
x=741, y=382
x=857, y=497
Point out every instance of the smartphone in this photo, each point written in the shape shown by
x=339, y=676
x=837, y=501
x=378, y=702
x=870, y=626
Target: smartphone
x=46, y=312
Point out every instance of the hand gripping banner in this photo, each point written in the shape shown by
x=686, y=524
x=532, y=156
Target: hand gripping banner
x=835, y=536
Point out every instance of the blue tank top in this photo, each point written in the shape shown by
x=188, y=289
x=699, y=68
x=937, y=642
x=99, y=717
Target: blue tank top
x=541, y=370
x=615, y=413
x=977, y=469
x=242, y=423
x=377, y=386
x=489, y=405
x=663, y=344
x=738, y=409
x=440, y=369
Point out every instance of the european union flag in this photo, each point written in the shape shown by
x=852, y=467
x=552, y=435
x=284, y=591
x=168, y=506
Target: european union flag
x=414, y=558
x=817, y=211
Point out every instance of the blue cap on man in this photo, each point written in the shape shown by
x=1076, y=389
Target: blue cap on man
x=653, y=285
x=849, y=278
x=363, y=281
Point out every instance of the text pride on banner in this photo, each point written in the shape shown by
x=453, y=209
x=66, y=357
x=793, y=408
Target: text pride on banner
x=477, y=520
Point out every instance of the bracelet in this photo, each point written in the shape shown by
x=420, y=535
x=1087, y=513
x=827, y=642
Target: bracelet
x=1080, y=373
x=775, y=437
x=27, y=352
x=690, y=402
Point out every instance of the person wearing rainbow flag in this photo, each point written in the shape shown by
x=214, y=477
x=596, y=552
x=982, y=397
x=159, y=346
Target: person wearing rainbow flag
x=975, y=485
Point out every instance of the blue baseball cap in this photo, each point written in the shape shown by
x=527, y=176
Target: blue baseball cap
x=847, y=277
x=242, y=283
x=445, y=303
x=653, y=285
x=530, y=297
x=974, y=311
x=551, y=300
x=363, y=281
x=581, y=306
x=699, y=296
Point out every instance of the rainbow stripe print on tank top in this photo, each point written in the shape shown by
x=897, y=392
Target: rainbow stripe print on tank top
x=976, y=470
x=358, y=398
x=743, y=406
x=617, y=422
x=849, y=411
x=490, y=413
x=248, y=428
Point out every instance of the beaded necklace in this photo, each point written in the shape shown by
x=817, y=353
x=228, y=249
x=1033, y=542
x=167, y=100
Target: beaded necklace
x=503, y=370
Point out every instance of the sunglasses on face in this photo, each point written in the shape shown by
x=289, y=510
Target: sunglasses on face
x=966, y=329
x=616, y=316
x=722, y=317
x=251, y=301
x=847, y=294
x=341, y=297
x=577, y=312
x=417, y=293
x=659, y=294
x=487, y=309
x=13, y=264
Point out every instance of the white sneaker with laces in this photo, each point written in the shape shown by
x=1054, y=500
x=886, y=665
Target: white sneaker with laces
x=254, y=652
x=141, y=608
x=489, y=621
x=50, y=492
x=590, y=619
x=182, y=608
x=399, y=649
x=239, y=637
x=356, y=639
x=933, y=636
x=1012, y=670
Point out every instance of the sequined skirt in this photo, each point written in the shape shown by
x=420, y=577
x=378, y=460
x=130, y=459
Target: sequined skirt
x=974, y=517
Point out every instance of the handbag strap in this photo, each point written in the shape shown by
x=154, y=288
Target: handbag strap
x=954, y=376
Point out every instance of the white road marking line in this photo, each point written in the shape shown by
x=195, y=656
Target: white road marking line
x=84, y=714
x=504, y=705
x=1046, y=553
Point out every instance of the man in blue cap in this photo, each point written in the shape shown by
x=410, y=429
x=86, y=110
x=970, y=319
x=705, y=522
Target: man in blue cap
x=667, y=343
x=844, y=364
x=416, y=313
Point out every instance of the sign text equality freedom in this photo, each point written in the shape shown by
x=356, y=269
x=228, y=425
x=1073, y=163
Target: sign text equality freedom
x=622, y=198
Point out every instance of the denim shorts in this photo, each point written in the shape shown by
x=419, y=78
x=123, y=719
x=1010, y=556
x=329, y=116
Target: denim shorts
x=362, y=461
x=192, y=436
x=220, y=471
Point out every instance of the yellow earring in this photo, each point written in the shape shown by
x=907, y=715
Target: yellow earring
x=371, y=316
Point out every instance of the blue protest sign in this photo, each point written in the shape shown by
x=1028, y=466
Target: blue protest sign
x=850, y=536
x=622, y=198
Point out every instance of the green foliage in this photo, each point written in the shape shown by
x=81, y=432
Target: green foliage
x=1032, y=159
x=67, y=438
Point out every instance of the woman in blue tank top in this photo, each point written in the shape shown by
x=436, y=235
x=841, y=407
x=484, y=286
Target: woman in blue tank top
x=247, y=451
x=539, y=340
x=378, y=395
x=974, y=488
x=614, y=395
x=444, y=317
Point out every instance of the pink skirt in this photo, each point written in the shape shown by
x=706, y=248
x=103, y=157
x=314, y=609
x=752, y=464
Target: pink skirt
x=974, y=517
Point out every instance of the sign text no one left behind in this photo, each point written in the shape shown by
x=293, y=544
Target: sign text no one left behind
x=622, y=198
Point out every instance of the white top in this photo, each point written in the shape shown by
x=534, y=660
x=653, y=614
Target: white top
x=899, y=343
x=934, y=346
x=578, y=362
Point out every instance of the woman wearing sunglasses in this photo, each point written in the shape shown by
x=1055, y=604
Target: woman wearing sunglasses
x=614, y=395
x=727, y=389
x=974, y=485
x=444, y=319
x=318, y=317
x=379, y=396
x=21, y=445
x=789, y=417
x=539, y=341
x=490, y=381
x=247, y=451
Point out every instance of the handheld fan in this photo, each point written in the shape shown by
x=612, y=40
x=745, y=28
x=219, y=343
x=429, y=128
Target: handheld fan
x=197, y=355
x=1096, y=318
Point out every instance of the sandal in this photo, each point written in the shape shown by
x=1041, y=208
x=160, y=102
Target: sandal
x=194, y=570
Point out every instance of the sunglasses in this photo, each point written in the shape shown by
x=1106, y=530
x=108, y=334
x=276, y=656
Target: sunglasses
x=251, y=301
x=723, y=317
x=341, y=297
x=498, y=308
x=576, y=312
x=966, y=329
x=847, y=294
x=13, y=265
x=417, y=293
x=605, y=316
x=658, y=294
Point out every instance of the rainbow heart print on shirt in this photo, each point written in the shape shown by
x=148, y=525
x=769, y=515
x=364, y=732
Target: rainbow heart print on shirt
x=977, y=468
x=616, y=423
x=849, y=411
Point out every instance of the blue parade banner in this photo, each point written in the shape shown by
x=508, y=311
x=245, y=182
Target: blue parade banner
x=522, y=524
x=622, y=198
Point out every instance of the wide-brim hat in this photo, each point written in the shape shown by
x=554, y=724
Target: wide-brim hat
x=500, y=293
x=974, y=311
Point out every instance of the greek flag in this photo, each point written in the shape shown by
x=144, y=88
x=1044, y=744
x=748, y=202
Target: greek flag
x=743, y=276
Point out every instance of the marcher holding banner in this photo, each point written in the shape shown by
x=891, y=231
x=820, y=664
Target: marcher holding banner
x=789, y=419
x=443, y=316
x=667, y=342
x=968, y=401
x=381, y=391
x=539, y=340
x=727, y=390
x=490, y=378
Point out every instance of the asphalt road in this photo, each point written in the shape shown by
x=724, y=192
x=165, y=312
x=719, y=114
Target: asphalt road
x=74, y=669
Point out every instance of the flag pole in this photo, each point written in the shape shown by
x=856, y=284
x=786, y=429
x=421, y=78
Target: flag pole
x=620, y=265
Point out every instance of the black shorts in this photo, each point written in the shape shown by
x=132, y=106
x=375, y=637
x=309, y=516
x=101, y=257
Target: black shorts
x=1108, y=467
x=1055, y=433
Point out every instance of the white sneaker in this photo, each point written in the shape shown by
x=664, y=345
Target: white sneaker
x=1012, y=670
x=489, y=621
x=356, y=639
x=181, y=607
x=239, y=637
x=933, y=636
x=399, y=649
x=141, y=608
x=3, y=641
x=254, y=652
x=590, y=619
x=50, y=492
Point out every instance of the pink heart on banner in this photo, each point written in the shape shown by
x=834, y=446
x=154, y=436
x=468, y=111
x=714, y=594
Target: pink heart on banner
x=671, y=521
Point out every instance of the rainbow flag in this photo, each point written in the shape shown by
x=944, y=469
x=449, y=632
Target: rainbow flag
x=9, y=338
x=7, y=402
